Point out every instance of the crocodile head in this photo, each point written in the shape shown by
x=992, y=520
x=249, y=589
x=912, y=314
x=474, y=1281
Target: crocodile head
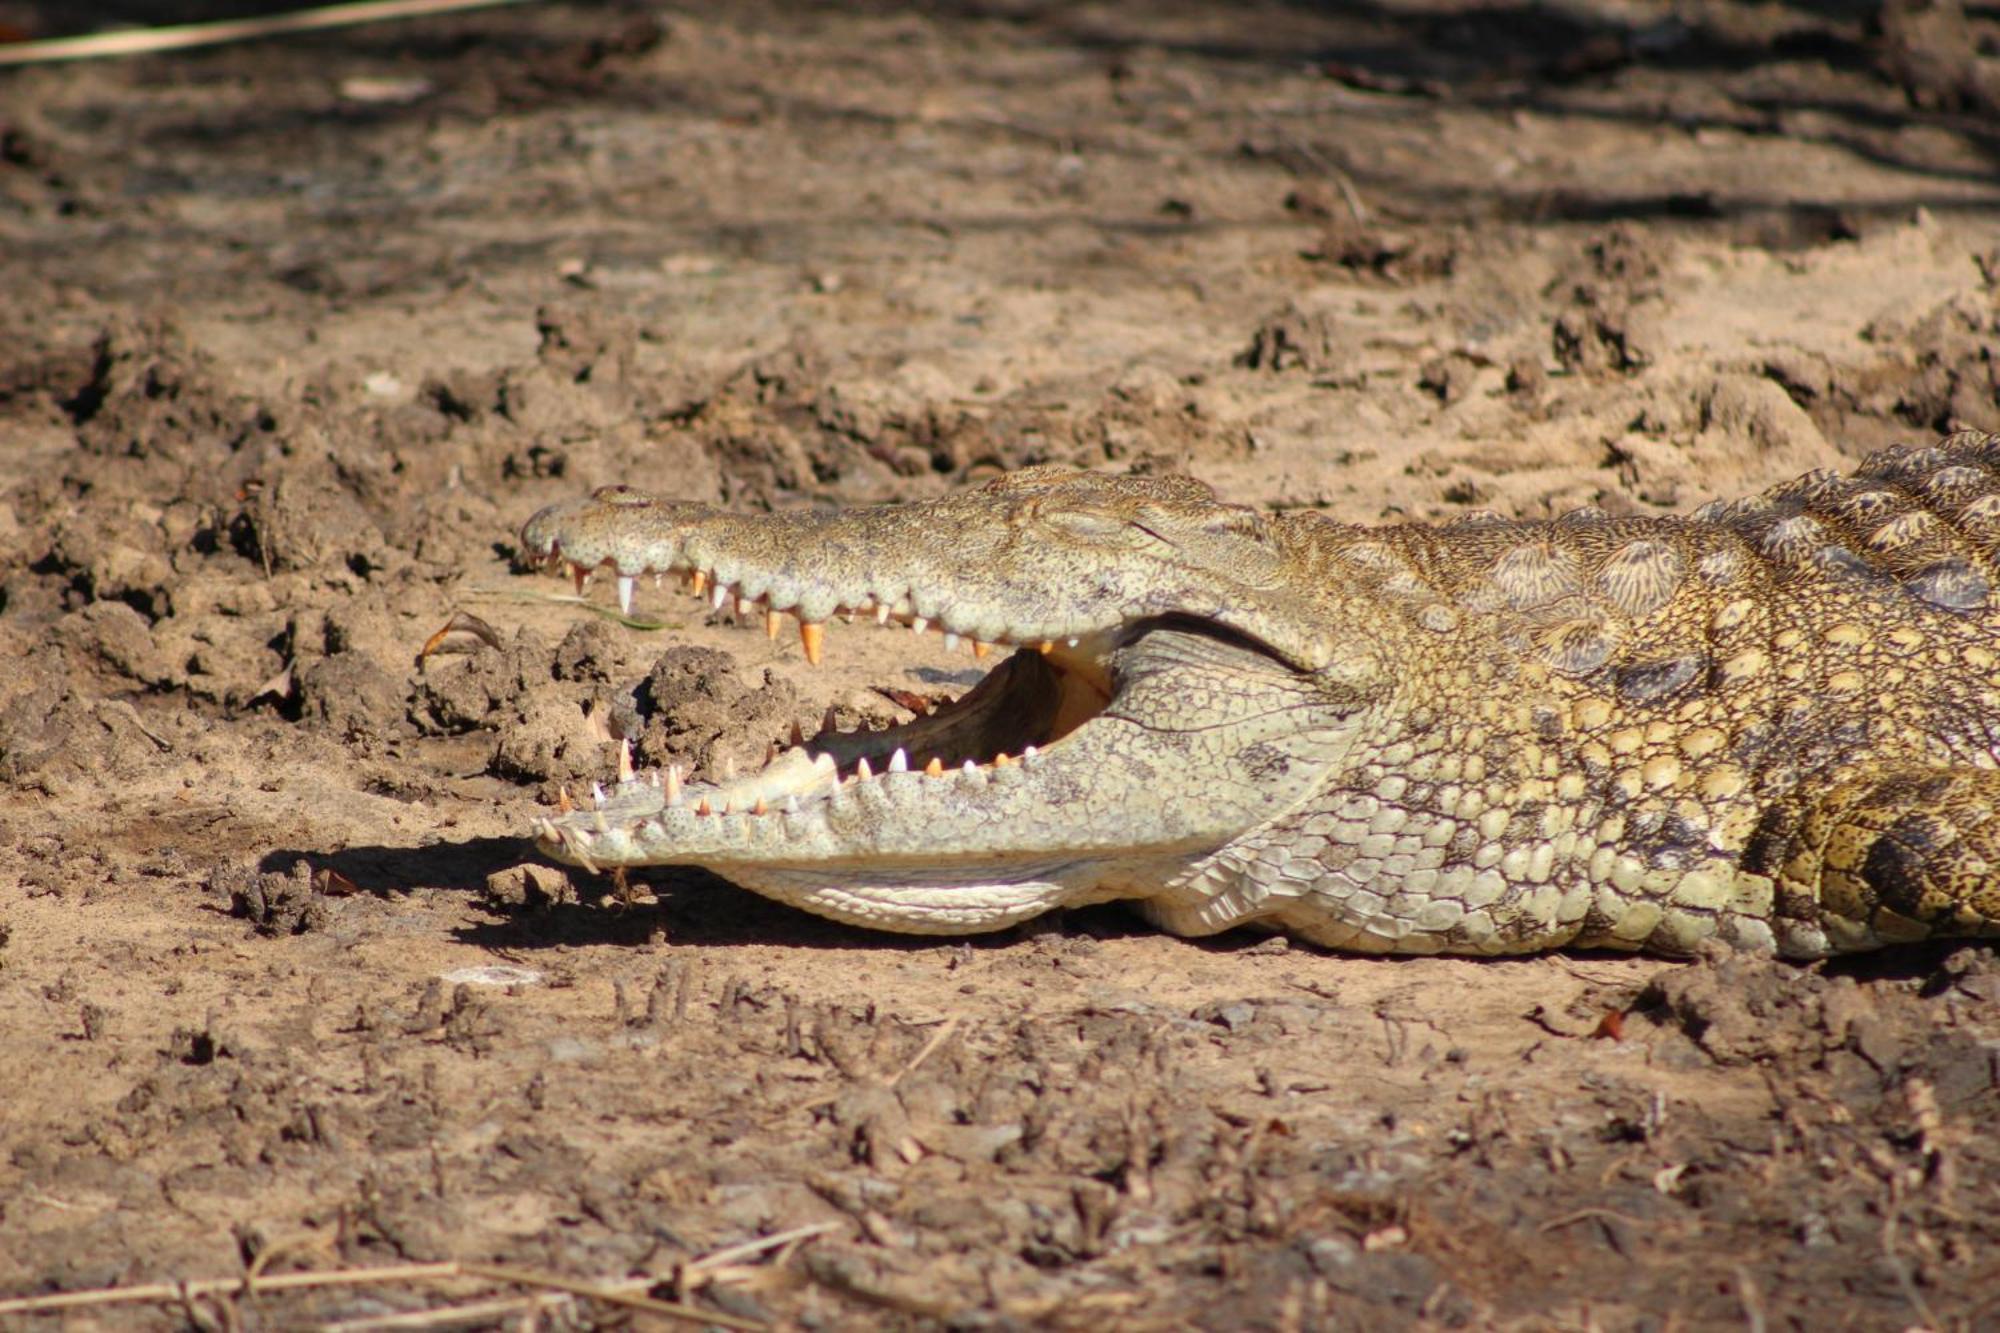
x=1173, y=690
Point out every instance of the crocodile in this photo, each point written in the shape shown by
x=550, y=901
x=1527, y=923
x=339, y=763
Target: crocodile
x=1773, y=722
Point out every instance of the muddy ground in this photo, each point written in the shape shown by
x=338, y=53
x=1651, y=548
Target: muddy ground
x=293, y=336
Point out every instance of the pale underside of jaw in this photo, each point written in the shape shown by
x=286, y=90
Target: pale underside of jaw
x=995, y=737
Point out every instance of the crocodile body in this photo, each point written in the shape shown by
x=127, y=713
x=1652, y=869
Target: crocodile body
x=1774, y=721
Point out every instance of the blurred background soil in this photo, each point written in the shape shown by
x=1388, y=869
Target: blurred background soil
x=295, y=333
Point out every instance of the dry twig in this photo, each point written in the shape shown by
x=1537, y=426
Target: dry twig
x=145, y=41
x=617, y=1291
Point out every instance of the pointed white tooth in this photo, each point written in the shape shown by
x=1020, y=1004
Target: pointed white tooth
x=823, y=764
x=626, y=583
x=861, y=770
x=744, y=605
x=726, y=768
x=597, y=822
x=719, y=598
x=899, y=762
x=1030, y=752
x=970, y=768
x=673, y=784
x=918, y=624
x=1072, y=643
x=596, y=794
x=950, y=642
x=881, y=613
x=624, y=760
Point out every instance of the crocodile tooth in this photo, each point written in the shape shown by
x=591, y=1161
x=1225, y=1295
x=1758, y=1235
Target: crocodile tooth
x=624, y=760
x=698, y=581
x=760, y=808
x=812, y=637
x=899, y=762
x=798, y=735
x=980, y=648
x=881, y=613
x=1001, y=760
x=580, y=577
x=673, y=784
x=791, y=803
x=950, y=642
x=829, y=724
x=935, y=768
x=596, y=794
x=846, y=614
x=744, y=606
x=774, y=620
x=720, y=597
x=563, y=802
x=970, y=768
x=861, y=770
x=704, y=808
x=598, y=822
x=1029, y=753
x=725, y=767
x=626, y=585
x=918, y=624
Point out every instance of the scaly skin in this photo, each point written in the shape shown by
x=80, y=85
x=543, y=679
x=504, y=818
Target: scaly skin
x=1775, y=721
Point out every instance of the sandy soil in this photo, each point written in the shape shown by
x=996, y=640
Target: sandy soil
x=294, y=335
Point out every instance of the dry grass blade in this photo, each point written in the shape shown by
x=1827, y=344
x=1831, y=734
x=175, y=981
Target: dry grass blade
x=144, y=41
x=620, y=1292
x=180, y=1291
x=731, y=1254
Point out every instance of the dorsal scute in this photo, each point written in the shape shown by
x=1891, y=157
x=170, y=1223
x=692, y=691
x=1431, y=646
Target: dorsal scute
x=1927, y=518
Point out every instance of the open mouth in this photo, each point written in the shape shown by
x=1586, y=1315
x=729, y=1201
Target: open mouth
x=1024, y=708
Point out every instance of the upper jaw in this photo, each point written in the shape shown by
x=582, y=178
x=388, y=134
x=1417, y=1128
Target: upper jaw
x=976, y=566
x=806, y=565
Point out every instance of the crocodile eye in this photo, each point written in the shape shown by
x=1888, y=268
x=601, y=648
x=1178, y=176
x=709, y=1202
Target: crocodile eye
x=1099, y=528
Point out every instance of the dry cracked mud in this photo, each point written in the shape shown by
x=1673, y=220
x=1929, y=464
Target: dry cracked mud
x=294, y=334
